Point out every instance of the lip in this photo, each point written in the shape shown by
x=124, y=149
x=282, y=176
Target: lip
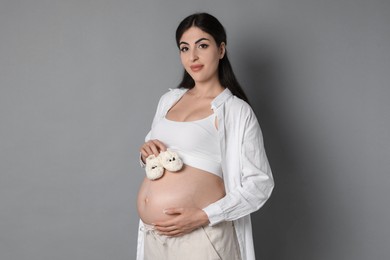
x=196, y=67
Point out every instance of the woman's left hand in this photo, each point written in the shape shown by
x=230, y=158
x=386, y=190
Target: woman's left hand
x=185, y=221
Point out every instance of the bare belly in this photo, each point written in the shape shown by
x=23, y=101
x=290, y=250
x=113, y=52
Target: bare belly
x=190, y=187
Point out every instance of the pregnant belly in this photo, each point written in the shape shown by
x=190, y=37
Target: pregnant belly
x=190, y=187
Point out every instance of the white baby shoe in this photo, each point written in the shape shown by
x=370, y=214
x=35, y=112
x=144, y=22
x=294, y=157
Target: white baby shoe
x=153, y=168
x=170, y=160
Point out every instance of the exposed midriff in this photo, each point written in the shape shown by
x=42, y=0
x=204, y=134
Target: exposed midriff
x=190, y=187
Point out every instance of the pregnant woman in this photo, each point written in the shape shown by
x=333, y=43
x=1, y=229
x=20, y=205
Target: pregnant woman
x=203, y=211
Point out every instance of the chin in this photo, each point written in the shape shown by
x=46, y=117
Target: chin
x=200, y=79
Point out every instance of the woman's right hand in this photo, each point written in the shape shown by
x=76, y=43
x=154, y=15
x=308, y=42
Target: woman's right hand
x=151, y=147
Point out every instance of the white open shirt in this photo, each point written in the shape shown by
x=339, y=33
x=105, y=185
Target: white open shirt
x=246, y=172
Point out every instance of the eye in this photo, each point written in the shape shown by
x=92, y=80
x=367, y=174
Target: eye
x=184, y=49
x=203, y=46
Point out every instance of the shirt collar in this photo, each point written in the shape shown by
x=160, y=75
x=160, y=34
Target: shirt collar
x=221, y=98
x=217, y=101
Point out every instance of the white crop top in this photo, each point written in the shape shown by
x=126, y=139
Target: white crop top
x=196, y=142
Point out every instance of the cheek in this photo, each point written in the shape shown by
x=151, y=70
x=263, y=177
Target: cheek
x=213, y=57
x=214, y=63
x=183, y=60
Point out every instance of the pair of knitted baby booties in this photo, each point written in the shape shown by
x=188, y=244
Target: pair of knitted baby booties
x=168, y=159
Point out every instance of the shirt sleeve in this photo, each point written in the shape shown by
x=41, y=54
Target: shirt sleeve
x=255, y=183
x=140, y=241
x=155, y=119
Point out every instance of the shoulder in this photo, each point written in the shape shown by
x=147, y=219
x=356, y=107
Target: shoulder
x=240, y=115
x=238, y=107
x=172, y=94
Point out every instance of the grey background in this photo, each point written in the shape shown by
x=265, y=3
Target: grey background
x=79, y=83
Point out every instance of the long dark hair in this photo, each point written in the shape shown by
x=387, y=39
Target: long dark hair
x=212, y=26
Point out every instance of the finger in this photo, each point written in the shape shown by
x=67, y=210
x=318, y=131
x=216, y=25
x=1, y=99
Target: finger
x=144, y=155
x=171, y=233
x=147, y=152
x=166, y=229
x=178, y=235
x=173, y=211
x=165, y=224
x=148, y=149
x=151, y=148
x=154, y=149
x=160, y=145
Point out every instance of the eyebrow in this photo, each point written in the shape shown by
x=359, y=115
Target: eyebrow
x=201, y=39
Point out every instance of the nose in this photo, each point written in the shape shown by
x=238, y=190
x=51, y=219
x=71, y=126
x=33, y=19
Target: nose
x=194, y=55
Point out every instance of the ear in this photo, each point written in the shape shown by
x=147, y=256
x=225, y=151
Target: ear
x=222, y=50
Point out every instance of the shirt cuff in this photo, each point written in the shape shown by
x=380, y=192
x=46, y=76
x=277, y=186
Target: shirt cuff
x=142, y=164
x=214, y=213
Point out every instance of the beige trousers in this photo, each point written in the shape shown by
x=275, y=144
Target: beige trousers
x=218, y=242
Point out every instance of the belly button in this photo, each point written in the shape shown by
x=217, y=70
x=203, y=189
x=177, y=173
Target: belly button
x=146, y=200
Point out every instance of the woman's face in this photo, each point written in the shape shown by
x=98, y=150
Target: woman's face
x=200, y=55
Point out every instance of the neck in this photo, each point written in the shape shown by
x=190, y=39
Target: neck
x=209, y=89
